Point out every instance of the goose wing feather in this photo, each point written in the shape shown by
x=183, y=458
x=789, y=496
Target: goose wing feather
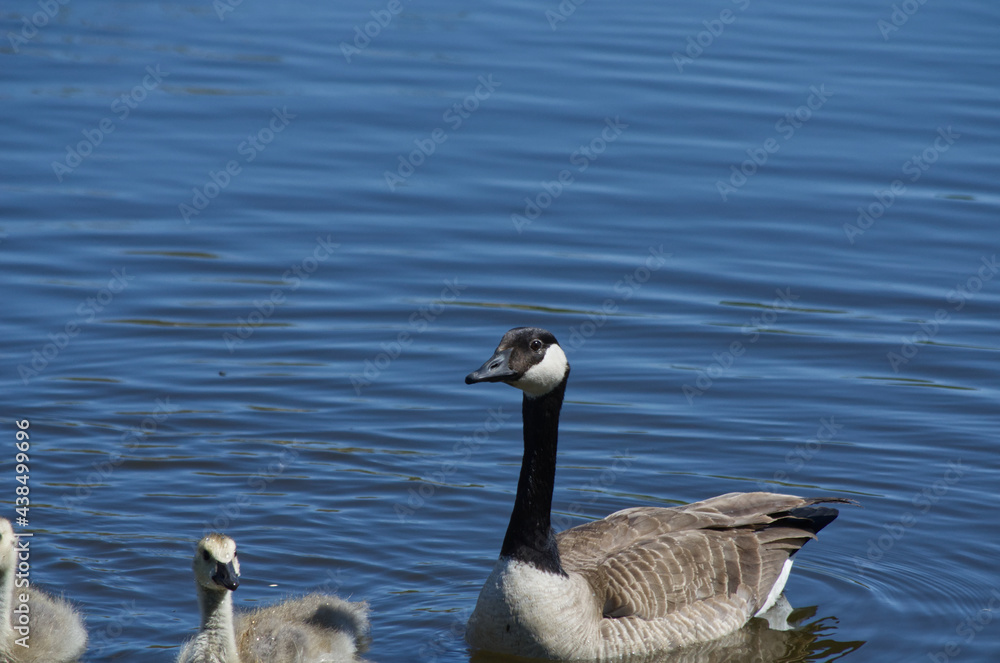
x=723, y=553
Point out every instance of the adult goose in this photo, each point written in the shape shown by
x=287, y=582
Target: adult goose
x=317, y=628
x=640, y=581
x=34, y=627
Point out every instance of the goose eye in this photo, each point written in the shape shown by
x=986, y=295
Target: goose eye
x=536, y=345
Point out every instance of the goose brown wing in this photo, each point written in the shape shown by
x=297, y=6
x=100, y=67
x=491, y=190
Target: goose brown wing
x=648, y=561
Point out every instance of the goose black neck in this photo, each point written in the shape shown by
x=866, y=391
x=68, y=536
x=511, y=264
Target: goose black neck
x=529, y=535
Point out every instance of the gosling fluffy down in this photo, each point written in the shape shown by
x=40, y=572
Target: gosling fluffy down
x=313, y=629
x=57, y=634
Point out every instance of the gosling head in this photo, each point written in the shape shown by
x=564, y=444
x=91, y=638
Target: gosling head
x=216, y=566
x=527, y=358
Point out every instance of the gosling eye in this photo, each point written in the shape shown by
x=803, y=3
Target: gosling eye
x=535, y=345
x=204, y=555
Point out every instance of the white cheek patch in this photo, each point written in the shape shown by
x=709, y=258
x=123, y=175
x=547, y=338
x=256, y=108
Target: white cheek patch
x=546, y=375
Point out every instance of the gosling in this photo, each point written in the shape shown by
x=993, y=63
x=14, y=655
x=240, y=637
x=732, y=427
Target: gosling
x=56, y=632
x=316, y=628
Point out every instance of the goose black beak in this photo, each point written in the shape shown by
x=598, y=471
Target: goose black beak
x=496, y=369
x=225, y=575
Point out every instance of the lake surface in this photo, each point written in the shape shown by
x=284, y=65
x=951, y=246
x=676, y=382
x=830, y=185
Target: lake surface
x=250, y=251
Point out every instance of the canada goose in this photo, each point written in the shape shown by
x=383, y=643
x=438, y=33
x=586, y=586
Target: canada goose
x=640, y=581
x=316, y=628
x=52, y=630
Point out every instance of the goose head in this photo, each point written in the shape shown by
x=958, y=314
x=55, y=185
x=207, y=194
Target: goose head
x=216, y=566
x=528, y=358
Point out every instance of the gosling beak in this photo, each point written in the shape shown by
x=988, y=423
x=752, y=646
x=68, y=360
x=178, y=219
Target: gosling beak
x=225, y=575
x=496, y=369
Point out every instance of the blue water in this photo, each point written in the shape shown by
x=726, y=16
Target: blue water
x=248, y=261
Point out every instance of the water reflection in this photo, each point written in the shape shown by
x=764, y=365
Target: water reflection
x=808, y=638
